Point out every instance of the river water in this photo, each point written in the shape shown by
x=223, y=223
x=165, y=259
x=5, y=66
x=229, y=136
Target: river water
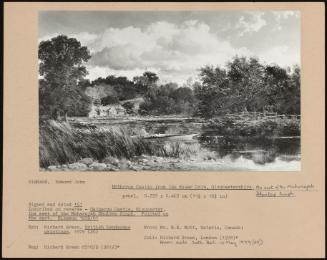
x=234, y=153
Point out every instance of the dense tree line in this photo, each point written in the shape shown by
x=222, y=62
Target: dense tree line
x=168, y=99
x=243, y=85
x=247, y=85
x=158, y=99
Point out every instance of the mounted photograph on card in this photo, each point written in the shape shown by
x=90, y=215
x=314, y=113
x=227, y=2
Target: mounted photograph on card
x=196, y=129
x=169, y=90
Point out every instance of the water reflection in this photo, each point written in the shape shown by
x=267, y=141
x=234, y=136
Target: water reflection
x=260, y=151
x=275, y=152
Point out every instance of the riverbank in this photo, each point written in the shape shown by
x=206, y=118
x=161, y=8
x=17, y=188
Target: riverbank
x=167, y=146
x=62, y=144
x=255, y=128
x=155, y=163
x=231, y=126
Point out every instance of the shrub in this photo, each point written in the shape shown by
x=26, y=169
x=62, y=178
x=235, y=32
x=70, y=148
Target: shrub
x=290, y=128
x=109, y=100
x=185, y=151
x=129, y=107
x=265, y=128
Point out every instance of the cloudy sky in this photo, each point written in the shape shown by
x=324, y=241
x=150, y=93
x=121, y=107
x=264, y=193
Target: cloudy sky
x=175, y=44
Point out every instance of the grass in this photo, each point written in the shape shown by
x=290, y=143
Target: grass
x=60, y=144
x=185, y=151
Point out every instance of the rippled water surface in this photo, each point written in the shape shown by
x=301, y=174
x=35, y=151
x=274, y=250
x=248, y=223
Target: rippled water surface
x=279, y=153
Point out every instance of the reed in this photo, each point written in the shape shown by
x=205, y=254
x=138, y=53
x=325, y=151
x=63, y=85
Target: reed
x=61, y=144
x=185, y=151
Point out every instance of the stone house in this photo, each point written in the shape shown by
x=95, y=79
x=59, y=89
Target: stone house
x=107, y=111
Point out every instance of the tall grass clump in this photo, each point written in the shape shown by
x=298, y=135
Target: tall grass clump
x=61, y=144
x=185, y=151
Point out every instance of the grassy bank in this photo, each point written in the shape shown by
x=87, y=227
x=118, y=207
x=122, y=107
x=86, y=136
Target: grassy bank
x=60, y=143
x=230, y=127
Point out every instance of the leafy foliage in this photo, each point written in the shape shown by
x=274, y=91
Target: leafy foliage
x=230, y=127
x=123, y=87
x=168, y=99
x=129, y=107
x=109, y=100
x=243, y=85
x=61, y=66
x=145, y=82
x=247, y=85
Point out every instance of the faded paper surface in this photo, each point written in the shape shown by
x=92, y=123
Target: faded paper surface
x=289, y=227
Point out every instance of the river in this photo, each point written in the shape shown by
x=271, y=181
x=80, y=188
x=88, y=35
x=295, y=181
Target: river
x=265, y=154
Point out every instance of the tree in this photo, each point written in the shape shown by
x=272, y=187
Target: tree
x=246, y=80
x=62, y=68
x=129, y=107
x=288, y=98
x=185, y=101
x=168, y=99
x=151, y=77
x=248, y=85
x=212, y=92
x=84, y=84
x=109, y=100
x=276, y=81
x=294, y=91
x=145, y=82
x=123, y=87
x=97, y=102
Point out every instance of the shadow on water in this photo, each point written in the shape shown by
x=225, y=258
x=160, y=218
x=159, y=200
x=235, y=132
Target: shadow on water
x=258, y=150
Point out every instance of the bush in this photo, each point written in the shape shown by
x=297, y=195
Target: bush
x=129, y=107
x=109, y=100
x=290, y=128
x=185, y=151
x=266, y=128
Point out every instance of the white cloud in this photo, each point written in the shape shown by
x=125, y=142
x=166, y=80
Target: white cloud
x=162, y=31
x=252, y=22
x=166, y=47
x=86, y=39
x=175, y=51
x=97, y=71
x=280, y=16
x=47, y=37
x=282, y=55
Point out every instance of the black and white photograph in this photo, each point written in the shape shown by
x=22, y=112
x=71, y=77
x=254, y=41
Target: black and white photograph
x=209, y=90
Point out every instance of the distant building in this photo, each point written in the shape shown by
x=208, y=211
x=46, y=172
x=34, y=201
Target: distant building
x=107, y=111
x=96, y=93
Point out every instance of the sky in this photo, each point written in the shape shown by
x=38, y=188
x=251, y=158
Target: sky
x=175, y=44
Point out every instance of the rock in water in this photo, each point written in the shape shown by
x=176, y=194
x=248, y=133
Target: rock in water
x=77, y=166
x=111, y=160
x=52, y=167
x=98, y=166
x=86, y=161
